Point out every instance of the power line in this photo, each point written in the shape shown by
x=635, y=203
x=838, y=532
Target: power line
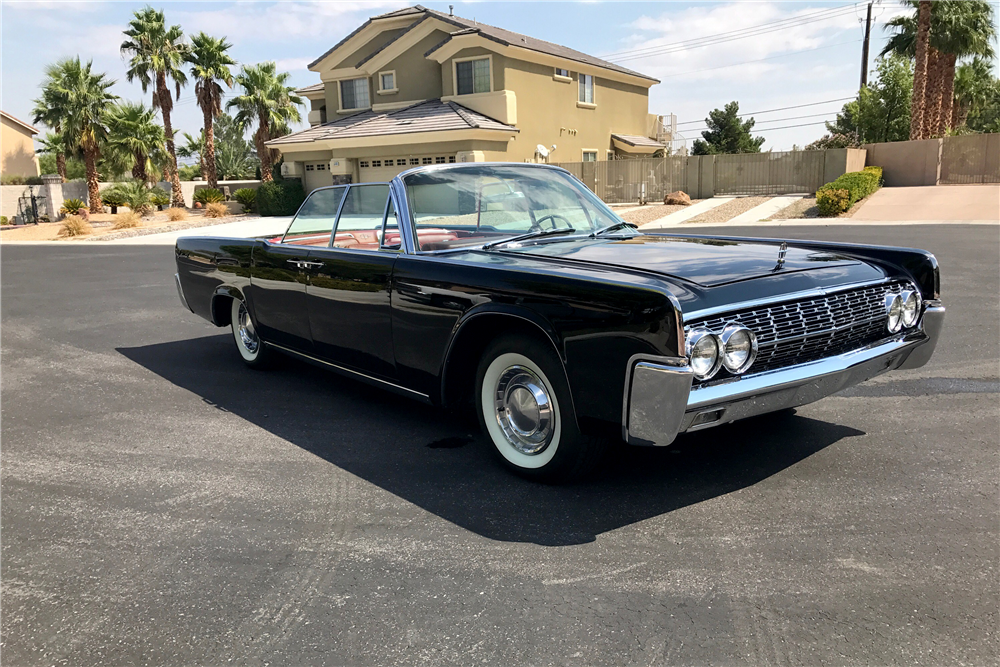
x=747, y=62
x=686, y=46
x=777, y=120
x=768, y=129
x=730, y=33
x=797, y=106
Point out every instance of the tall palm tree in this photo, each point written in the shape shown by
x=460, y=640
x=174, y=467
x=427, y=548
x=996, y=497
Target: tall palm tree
x=921, y=47
x=209, y=66
x=156, y=55
x=194, y=147
x=50, y=109
x=973, y=83
x=267, y=102
x=85, y=124
x=965, y=29
x=134, y=137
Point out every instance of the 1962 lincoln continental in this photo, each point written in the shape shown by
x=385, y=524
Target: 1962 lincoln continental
x=513, y=288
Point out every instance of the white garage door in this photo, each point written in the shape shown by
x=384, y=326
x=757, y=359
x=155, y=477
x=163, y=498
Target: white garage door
x=317, y=175
x=376, y=170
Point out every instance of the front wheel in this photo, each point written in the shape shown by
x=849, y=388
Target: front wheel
x=524, y=406
x=253, y=351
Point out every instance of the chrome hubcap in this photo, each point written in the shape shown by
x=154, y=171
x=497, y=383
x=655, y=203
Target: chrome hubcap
x=245, y=328
x=524, y=410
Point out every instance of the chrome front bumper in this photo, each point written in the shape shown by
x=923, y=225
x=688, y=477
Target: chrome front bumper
x=660, y=401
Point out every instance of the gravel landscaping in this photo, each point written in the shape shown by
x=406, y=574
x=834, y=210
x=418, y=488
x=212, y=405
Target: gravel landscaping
x=803, y=208
x=646, y=214
x=177, y=226
x=103, y=227
x=729, y=210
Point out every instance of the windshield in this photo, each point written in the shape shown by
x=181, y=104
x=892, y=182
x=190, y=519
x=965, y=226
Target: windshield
x=479, y=204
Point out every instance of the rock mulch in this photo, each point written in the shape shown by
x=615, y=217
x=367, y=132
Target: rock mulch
x=803, y=208
x=641, y=216
x=178, y=226
x=729, y=210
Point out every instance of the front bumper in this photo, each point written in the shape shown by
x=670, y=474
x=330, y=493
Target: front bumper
x=660, y=401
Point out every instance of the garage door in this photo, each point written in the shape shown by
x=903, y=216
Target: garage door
x=317, y=175
x=376, y=170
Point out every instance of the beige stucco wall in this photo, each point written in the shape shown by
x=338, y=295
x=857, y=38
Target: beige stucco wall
x=18, y=150
x=547, y=113
x=368, y=48
x=417, y=78
x=498, y=72
x=907, y=162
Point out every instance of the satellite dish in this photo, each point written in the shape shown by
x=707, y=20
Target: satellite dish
x=542, y=150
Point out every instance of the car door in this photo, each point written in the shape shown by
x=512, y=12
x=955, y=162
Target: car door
x=280, y=271
x=349, y=284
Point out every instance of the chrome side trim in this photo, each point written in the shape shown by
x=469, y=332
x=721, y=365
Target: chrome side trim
x=931, y=323
x=378, y=382
x=180, y=291
x=792, y=296
x=656, y=392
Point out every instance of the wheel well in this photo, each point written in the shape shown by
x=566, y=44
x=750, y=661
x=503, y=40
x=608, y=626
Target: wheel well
x=222, y=310
x=467, y=349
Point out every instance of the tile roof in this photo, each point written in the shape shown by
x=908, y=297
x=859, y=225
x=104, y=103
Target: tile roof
x=636, y=140
x=315, y=88
x=429, y=116
x=499, y=35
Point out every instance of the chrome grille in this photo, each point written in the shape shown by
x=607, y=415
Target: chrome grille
x=797, y=332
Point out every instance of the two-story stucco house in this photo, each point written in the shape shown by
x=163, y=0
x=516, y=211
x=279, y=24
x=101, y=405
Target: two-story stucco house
x=18, y=147
x=417, y=86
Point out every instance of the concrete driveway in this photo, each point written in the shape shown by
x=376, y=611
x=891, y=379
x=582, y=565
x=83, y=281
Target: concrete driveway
x=164, y=505
x=951, y=203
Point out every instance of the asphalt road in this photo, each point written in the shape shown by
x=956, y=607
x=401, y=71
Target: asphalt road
x=162, y=504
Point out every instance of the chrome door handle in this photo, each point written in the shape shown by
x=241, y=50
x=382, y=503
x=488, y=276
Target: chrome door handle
x=304, y=264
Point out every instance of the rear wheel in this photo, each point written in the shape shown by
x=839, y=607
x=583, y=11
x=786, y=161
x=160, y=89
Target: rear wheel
x=524, y=406
x=253, y=351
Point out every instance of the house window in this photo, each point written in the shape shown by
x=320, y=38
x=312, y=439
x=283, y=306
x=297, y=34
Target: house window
x=354, y=94
x=321, y=166
x=451, y=159
x=439, y=160
x=590, y=156
x=426, y=160
x=363, y=163
x=387, y=81
x=376, y=163
x=310, y=167
x=472, y=76
x=586, y=89
x=414, y=160
x=562, y=72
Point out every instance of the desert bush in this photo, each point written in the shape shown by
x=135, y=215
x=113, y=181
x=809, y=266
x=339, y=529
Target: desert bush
x=72, y=206
x=247, y=197
x=175, y=214
x=4, y=220
x=74, y=225
x=112, y=196
x=281, y=197
x=127, y=220
x=158, y=198
x=216, y=209
x=208, y=196
x=840, y=195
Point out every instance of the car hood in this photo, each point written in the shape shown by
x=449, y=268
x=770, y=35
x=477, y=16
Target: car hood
x=701, y=261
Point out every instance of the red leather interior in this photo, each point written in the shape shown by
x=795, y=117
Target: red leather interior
x=367, y=239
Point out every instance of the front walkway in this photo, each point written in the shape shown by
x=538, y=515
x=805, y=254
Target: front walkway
x=933, y=202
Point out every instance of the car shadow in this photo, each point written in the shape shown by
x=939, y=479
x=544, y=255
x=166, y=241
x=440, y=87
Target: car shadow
x=439, y=462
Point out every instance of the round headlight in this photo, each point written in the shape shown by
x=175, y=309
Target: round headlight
x=703, y=353
x=739, y=347
x=894, y=310
x=911, y=308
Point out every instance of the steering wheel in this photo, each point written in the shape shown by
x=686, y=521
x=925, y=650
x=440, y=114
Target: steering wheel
x=551, y=217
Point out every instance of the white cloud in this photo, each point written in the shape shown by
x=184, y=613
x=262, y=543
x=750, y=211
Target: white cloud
x=293, y=64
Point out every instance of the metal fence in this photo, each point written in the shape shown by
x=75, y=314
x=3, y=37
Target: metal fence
x=769, y=173
x=623, y=181
x=971, y=158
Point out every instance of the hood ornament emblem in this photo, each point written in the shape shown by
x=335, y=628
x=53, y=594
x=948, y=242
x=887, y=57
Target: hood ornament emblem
x=782, y=251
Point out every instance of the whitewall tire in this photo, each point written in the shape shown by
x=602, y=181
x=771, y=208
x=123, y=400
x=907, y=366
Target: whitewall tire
x=251, y=348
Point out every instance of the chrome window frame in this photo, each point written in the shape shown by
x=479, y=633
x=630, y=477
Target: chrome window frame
x=336, y=216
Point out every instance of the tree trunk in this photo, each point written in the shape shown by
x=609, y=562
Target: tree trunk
x=139, y=168
x=917, y=109
x=176, y=194
x=945, y=122
x=263, y=152
x=208, y=151
x=93, y=187
x=61, y=166
x=932, y=96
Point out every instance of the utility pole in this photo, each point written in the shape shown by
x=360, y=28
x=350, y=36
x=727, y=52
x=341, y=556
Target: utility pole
x=864, y=49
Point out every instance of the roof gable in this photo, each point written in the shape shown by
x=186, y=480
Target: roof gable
x=18, y=122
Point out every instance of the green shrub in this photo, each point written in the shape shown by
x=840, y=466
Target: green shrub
x=72, y=206
x=208, y=196
x=247, y=197
x=4, y=220
x=280, y=197
x=17, y=179
x=158, y=198
x=113, y=197
x=840, y=195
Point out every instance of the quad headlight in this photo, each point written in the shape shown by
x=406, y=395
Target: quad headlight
x=739, y=347
x=894, y=312
x=911, y=307
x=704, y=353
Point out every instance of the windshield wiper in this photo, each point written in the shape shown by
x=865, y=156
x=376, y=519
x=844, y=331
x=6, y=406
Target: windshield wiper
x=611, y=228
x=530, y=235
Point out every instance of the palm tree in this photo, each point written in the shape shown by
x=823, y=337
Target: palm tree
x=194, y=147
x=921, y=47
x=156, y=54
x=964, y=29
x=85, y=124
x=973, y=84
x=210, y=65
x=133, y=138
x=265, y=101
x=50, y=109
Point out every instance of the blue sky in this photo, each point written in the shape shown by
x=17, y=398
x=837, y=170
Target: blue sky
x=797, y=65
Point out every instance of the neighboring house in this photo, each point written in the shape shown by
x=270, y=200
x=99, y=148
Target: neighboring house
x=18, y=147
x=417, y=86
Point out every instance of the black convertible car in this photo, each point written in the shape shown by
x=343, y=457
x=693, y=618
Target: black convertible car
x=513, y=288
